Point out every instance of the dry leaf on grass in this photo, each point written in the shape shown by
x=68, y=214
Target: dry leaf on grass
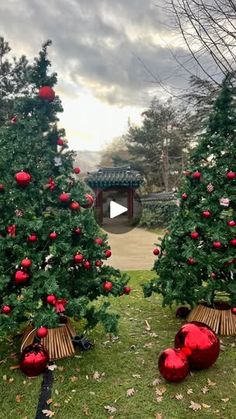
x=61, y=369
x=189, y=391
x=19, y=398
x=159, y=399
x=160, y=391
x=211, y=383
x=158, y=416
x=147, y=326
x=110, y=409
x=52, y=367
x=49, y=401
x=86, y=410
x=205, y=390
x=4, y=377
x=225, y=400
x=157, y=381
x=206, y=406
x=130, y=392
x=73, y=378
x=179, y=396
x=48, y=413
x=56, y=392
x=96, y=376
x=10, y=380
x=195, y=406
x=136, y=376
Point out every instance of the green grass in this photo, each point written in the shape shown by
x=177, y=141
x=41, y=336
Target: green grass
x=127, y=362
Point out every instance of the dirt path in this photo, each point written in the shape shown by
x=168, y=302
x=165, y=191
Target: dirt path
x=132, y=250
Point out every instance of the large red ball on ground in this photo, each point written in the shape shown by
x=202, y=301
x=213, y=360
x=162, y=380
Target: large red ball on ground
x=46, y=93
x=173, y=365
x=34, y=360
x=202, y=341
x=23, y=178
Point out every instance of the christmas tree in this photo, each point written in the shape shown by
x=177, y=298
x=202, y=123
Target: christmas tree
x=196, y=258
x=51, y=249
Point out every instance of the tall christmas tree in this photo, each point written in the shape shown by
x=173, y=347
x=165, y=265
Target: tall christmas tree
x=197, y=257
x=51, y=249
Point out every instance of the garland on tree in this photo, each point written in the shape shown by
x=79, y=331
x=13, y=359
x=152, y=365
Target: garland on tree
x=197, y=257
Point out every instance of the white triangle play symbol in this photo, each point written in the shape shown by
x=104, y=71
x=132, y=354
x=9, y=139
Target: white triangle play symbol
x=116, y=209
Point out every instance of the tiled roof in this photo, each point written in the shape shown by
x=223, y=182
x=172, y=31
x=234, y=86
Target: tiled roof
x=109, y=177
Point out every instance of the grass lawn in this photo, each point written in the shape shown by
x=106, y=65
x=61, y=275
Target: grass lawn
x=101, y=377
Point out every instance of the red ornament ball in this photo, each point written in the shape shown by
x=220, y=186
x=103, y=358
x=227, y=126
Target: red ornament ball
x=194, y=235
x=6, y=309
x=127, y=290
x=77, y=170
x=53, y=235
x=34, y=360
x=51, y=299
x=233, y=310
x=107, y=286
x=184, y=196
x=107, y=253
x=32, y=237
x=202, y=342
x=156, y=251
x=2, y=187
x=231, y=223
x=233, y=242
x=191, y=261
x=213, y=275
x=14, y=120
x=98, y=263
x=89, y=201
x=217, y=244
x=98, y=241
x=60, y=142
x=64, y=197
x=231, y=175
x=87, y=264
x=42, y=332
x=74, y=206
x=206, y=214
x=173, y=365
x=46, y=93
x=78, y=258
x=26, y=263
x=21, y=277
x=23, y=178
x=196, y=175
x=77, y=230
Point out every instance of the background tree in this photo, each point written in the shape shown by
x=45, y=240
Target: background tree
x=159, y=146
x=51, y=249
x=116, y=154
x=197, y=257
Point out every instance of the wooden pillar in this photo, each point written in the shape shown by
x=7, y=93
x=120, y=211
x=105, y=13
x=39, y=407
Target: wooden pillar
x=99, y=204
x=130, y=203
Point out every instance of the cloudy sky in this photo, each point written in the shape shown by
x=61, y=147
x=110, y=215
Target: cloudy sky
x=109, y=55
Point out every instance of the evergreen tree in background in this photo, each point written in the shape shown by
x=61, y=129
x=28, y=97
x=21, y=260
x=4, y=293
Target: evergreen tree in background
x=51, y=249
x=197, y=257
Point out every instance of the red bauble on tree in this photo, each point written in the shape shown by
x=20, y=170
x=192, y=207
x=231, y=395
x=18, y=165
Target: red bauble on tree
x=173, y=365
x=2, y=189
x=74, y=206
x=77, y=231
x=233, y=242
x=26, y=263
x=217, y=245
x=51, y=299
x=6, y=309
x=46, y=93
x=32, y=238
x=107, y=253
x=231, y=223
x=197, y=175
x=98, y=263
x=107, y=286
x=53, y=235
x=202, y=342
x=184, y=196
x=191, y=261
x=89, y=201
x=127, y=290
x=231, y=175
x=194, y=235
x=98, y=241
x=77, y=170
x=78, y=258
x=60, y=141
x=34, y=360
x=233, y=310
x=20, y=277
x=64, y=197
x=23, y=178
x=206, y=214
x=42, y=332
x=87, y=264
x=156, y=251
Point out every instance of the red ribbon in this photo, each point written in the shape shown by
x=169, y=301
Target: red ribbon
x=60, y=305
x=51, y=184
x=11, y=230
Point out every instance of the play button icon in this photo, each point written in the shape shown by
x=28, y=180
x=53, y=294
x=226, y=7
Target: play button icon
x=116, y=209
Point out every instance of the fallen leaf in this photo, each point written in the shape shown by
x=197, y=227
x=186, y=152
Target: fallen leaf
x=211, y=383
x=195, y=406
x=136, y=376
x=205, y=390
x=48, y=413
x=61, y=369
x=225, y=400
x=56, y=392
x=189, y=391
x=73, y=378
x=148, y=345
x=110, y=409
x=10, y=380
x=18, y=398
x=96, y=376
x=130, y=392
x=56, y=405
x=206, y=406
x=147, y=326
x=158, y=416
x=49, y=401
x=52, y=367
x=160, y=391
x=4, y=377
x=179, y=396
x=159, y=399
x=14, y=367
x=86, y=410
x=157, y=381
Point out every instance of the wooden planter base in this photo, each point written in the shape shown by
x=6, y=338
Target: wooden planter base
x=58, y=342
x=222, y=322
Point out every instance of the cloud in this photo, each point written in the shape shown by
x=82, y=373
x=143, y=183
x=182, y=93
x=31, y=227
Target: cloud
x=104, y=46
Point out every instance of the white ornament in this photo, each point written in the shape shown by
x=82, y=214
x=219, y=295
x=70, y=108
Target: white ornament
x=57, y=161
x=224, y=202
